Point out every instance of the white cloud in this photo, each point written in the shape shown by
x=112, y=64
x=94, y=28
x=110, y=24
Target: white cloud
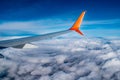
x=51, y=25
x=109, y=21
x=63, y=59
x=39, y=26
x=60, y=75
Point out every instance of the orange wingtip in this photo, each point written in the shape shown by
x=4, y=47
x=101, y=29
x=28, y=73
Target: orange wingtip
x=77, y=24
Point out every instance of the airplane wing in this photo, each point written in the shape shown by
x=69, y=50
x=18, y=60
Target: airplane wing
x=20, y=42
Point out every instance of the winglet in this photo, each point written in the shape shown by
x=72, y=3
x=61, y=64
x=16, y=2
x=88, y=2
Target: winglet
x=77, y=24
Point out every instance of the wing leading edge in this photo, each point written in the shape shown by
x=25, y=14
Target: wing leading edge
x=22, y=41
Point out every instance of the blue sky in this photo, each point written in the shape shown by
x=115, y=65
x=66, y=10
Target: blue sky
x=30, y=17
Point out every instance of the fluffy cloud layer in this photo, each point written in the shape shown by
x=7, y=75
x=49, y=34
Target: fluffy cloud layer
x=63, y=59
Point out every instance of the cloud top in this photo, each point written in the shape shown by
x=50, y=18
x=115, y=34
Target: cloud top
x=76, y=59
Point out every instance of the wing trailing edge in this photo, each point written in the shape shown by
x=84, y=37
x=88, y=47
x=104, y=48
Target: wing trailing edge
x=24, y=46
